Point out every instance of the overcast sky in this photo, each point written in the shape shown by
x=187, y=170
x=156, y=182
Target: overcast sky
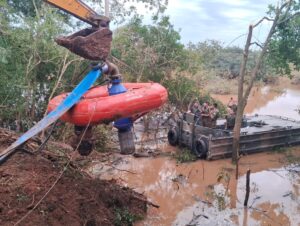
x=222, y=20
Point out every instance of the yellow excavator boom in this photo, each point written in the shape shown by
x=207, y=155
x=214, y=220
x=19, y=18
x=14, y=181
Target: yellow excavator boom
x=80, y=10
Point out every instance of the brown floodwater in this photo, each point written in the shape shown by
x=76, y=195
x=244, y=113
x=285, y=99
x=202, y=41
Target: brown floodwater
x=282, y=99
x=206, y=192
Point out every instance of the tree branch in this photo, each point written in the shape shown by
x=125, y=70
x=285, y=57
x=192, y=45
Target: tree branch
x=284, y=5
x=256, y=43
x=260, y=58
x=289, y=18
x=261, y=20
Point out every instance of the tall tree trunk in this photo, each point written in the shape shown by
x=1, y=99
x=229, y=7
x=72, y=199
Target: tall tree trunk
x=240, y=109
x=243, y=95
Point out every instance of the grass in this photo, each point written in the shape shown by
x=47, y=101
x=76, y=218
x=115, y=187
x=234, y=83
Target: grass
x=185, y=155
x=124, y=217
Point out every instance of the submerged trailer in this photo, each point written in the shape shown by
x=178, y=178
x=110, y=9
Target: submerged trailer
x=258, y=133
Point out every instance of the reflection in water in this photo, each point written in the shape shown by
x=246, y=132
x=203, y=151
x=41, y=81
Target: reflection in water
x=276, y=197
x=191, y=194
x=274, y=200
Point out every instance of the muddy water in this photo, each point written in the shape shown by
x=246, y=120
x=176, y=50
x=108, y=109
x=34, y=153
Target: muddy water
x=282, y=99
x=206, y=192
x=182, y=190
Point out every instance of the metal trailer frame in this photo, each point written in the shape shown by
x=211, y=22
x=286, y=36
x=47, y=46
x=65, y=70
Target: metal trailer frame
x=213, y=143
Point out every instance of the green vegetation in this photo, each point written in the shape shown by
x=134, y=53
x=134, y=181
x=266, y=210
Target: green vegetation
x=33, y=68
x=217, y=198
x=124, y=217
x=185, y=155
x=284, y=47
x=102, y=136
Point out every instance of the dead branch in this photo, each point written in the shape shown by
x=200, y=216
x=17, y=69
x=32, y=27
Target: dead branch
x=256, y=43
x=65, y=66
x=254, y=200
x=30, y=206
x=261, y=20
x=241, y=100
x=195, y=218
x=259, y=61
x=152, y=204
x=128, y=171
x=247, y=187
x=203, y=172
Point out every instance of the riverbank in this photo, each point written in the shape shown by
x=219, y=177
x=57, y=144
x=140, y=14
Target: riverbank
x=48, y=188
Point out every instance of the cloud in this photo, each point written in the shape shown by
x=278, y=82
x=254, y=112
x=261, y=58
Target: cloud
x=221, y=20
x=217, y=19
x=233, y=2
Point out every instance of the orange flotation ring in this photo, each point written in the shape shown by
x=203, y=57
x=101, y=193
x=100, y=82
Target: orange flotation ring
x=97, y=106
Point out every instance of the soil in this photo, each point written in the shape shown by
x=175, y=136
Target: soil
x=89, y=43
x=76, y=199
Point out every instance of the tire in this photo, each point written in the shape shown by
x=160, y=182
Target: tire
x=173, y=136
x=201, y=148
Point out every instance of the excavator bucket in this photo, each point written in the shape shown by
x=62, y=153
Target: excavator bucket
x=90, y=43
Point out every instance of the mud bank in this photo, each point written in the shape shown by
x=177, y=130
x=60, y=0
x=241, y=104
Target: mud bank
x=75, y=199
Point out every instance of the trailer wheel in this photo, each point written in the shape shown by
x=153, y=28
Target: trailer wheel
x=173, y=137
x=200, y=148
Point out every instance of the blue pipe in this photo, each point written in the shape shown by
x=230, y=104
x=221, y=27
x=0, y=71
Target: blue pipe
x=116, y=88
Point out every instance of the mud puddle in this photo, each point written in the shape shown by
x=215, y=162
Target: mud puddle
x=206, y=192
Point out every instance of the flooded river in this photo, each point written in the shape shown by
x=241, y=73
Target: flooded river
x=206, y=192
x=282, y=100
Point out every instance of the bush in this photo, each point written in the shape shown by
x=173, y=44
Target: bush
x=185, y=155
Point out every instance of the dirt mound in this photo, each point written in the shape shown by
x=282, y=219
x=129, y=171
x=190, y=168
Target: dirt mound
x=89, y=43
x=75, y=199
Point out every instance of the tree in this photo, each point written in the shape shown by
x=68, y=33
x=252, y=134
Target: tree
x=154, y=53
x=31, y=64
x=286, y=12
x=150, y=52
x=285, y=43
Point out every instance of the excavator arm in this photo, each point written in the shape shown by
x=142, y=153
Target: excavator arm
x=90, y=43
x=80, y=10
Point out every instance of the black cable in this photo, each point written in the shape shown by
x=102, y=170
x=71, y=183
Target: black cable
x=40, y=148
